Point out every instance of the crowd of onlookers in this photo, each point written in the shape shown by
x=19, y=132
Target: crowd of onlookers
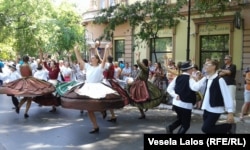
x=159, y=75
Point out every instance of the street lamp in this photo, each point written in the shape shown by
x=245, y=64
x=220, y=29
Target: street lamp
x=188, y=30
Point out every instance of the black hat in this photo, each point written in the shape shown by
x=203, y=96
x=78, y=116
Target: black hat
x=186, y=66
x=13, y=66
x=39, y=67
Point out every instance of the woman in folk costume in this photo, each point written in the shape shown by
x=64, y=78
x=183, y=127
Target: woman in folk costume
x=93, y=95
x=67, y=72
x=147, y=96
x=53, y=71
x=27, y=86
x=141, y=92
x=109, y=75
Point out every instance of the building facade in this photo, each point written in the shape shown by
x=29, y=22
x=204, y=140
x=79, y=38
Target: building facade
x=229, y=34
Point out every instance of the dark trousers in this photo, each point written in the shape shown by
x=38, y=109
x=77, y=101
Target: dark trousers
x=183, y=120
x=209, y=124
x=15, y=101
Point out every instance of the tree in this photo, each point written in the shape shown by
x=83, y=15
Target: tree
x=152, y=16
x=28, y=24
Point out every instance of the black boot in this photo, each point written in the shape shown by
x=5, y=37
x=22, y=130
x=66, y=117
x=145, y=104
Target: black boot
x=182, y=131
x=232, y=129
x=169, y=130
x=104, y=114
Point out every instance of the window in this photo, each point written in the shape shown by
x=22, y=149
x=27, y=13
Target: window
x=112, y=2
x=163, y=46
x=245, y=1
x=214, y=47
x=102, y=4
x=119, y=49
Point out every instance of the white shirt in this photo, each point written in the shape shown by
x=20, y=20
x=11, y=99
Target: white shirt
x=126, y=71
x=79, y=74
x=33, y=66
x=178, y=102
x=12, y=76
x=66, y=71
x=152, y=68
x=228, y=101
x=18, y=67
x=3, y=76
x=42, y=74
x=94, y=74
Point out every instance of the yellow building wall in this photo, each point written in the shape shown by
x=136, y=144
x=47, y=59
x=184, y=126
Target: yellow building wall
x=181, y=41
x=237, y=48
x=95, y=30
x=180, y=45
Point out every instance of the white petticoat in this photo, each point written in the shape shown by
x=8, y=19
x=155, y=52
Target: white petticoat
x=95, y=90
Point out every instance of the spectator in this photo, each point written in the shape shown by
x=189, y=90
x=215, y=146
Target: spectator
x=135, y=71
x=126, y=72
x=158, y=76
x=121, y=65
x=118, y=71
x=228, y=72
x=246, y=105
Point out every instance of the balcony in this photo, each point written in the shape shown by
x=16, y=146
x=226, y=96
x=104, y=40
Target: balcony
x=89, y=15
x=97, y=5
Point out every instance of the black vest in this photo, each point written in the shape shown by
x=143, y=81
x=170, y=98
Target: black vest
x=183, y=90
x=216, y=98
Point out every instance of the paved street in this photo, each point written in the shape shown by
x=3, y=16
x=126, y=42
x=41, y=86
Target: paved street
x=68, y=129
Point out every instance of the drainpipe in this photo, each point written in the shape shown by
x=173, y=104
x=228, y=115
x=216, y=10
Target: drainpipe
x=133, y=48
x=188, y=30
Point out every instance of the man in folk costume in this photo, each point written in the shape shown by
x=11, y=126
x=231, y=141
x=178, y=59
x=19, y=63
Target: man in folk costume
x=184, y=97
x=217, y=100
x=9, y=77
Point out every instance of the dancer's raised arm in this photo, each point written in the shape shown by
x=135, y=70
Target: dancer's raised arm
x=97, y=44
x=138, y=56
x=78, y=57
x=106, y=52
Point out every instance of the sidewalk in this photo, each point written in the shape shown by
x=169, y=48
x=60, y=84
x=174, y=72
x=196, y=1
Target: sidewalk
x=239, y=103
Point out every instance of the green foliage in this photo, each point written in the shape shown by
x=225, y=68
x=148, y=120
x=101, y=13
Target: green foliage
x=151, y=16
x=27, y=25
x=216, y=8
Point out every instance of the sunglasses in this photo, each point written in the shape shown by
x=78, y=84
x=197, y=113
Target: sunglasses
x=208, y=64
